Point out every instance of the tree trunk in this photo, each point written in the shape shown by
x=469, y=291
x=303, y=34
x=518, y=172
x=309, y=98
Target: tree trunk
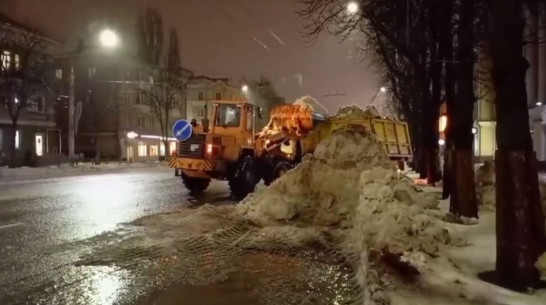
x=520, y=221
x=13, y=145
x=448, y=171
x=166, y=145
x=463, y=191
x=463, y=200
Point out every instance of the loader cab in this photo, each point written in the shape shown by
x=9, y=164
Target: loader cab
x=236, y=119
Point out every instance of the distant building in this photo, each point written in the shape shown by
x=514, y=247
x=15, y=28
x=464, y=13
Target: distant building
x=201, y=91
x=35, y=134
x=115, y=119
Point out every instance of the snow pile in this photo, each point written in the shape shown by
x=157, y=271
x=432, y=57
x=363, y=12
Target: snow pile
x=313, y=104
x=354, y=112
x=541, y=264
x=485, y=184
x=352, y=188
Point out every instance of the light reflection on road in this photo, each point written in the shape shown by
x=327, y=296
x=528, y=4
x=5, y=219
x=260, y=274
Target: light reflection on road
x=105, y=286
x=102, y=201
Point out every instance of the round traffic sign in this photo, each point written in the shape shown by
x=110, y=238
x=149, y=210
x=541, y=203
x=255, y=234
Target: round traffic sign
x=182, y=130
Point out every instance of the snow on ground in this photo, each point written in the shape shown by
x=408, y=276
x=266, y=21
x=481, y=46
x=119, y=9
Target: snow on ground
x=21, y=173
x=348, y=194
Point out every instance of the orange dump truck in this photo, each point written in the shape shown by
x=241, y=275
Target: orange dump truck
x=295, y=130
x=232, y=150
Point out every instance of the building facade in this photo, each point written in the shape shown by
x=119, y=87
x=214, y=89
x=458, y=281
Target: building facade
x=201, y=91
x=35, y=133
x=116, y=121
x=535, y=53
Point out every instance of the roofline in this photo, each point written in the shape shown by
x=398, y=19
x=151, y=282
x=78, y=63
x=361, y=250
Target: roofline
x=26, y=29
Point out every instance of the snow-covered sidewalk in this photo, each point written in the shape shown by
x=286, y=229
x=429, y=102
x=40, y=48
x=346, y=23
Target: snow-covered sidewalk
x=65, y=170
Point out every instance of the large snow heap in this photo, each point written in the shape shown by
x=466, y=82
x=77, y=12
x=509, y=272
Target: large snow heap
x=350, y=187
x=313, y=103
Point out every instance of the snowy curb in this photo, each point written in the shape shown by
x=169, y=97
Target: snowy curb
x=22, y=173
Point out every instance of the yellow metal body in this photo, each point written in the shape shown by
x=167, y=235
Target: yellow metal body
x=228, y=141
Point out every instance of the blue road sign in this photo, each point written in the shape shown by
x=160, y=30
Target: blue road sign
x=182, y=130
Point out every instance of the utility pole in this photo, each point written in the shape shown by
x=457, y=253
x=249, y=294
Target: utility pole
x=71, y=116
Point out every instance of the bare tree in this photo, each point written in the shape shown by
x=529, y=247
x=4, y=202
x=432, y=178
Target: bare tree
x=150, y=35
x=25, y=73
x=165, y=92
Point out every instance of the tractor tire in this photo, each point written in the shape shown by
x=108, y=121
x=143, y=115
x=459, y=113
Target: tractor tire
x=243, y=177
x=195, y=185
x=278, y=168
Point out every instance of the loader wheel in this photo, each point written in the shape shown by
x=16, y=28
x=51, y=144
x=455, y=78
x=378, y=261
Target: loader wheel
x=195, y=185
x=278, y=169
x=243, y=178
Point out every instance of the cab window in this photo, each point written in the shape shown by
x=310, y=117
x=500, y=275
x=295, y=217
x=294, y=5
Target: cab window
x=228, y=115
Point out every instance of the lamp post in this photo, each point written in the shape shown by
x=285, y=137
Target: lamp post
x=107, y=39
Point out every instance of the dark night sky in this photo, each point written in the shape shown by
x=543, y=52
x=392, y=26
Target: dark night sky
x=222, y=38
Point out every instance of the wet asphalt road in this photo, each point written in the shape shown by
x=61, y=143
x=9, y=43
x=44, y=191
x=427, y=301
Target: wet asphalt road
x=42, y=220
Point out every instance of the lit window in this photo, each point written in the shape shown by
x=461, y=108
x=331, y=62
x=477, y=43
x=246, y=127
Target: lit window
x=17, y=140
x=162, y=149
x=172, y=148
x=17, y=62
x=151, y=79
x=91, y=72
x=142, y=151
x=59, y=73
x=443, y=123
x=153, y=151
x=5, y=58
x=249, y=120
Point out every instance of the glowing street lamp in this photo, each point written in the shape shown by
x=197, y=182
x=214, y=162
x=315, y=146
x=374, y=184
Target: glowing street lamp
x=352, y=7
x=383, y=89
x=108, y=38
x=245, y=88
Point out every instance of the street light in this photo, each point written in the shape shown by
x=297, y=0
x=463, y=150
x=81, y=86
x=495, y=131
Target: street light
x=352, y=7
x=245, y=88
x=383, y=89
x=108, y=38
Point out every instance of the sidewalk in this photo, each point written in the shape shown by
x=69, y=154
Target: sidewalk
x=65, y=170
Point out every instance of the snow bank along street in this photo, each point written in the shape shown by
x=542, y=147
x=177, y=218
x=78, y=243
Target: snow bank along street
x=24, y=173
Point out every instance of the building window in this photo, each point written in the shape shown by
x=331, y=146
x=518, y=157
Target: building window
x=218, y=96
x=249, y=120
x=17, y=62
x=151, y=79
x=17, y=139
x=172, y=148
x=201, y=96
x=162, y=149
x=91, y=72
x=198, y=112
x=140, y=122
x=142, y=151
x=152, y=123
x=37, y=104
x=59, y=73
x=153, y=151
x=5, y=58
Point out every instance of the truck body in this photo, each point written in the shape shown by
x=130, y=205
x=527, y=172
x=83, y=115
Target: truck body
x=294, y=131
x=232, y=150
